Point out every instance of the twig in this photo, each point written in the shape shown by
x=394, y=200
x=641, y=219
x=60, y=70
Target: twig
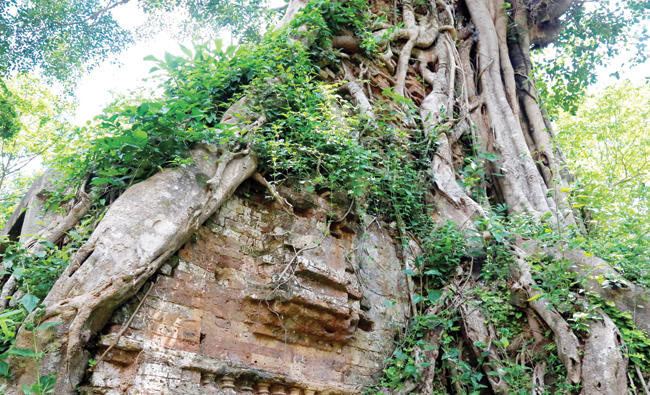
x=124, y=328
x=634, y=391
x=346, y=213
x=643, y=383
x=480, y=74
x=286, y=206
x=288, y=265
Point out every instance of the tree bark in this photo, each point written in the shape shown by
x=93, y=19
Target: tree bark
x=461, y=54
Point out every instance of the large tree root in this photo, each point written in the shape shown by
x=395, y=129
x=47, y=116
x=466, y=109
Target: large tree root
x=523, y=187
x=604, y=366
x=141, y=229
x=568, y=347
x=482, y=336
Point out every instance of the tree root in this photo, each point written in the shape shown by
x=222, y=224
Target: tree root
x=604, y=366
x=141, y=229
x=539, y=370
x=412, y=32
x=56, y=229
x=642, y=380
x=568, y=347
x=478, y=332
x=523, y=186
x=286, y=206
x=358, y=95
x=7, y=291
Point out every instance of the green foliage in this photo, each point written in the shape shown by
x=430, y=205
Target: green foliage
x=402, y=366
x=40, y=128
x=245, y=19
x=506, y=318
x=35, y=272
x=442, y=251
x=61, y=38
x=323, y=19
x=56, y=36
x=608, y=146
x=466, y=376
x=592, y=35
x=8, y=117
x=306, y=134
x=133, y=141
x=474, y=173
x=44, y=385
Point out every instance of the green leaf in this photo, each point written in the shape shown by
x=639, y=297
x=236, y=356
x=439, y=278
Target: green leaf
x=23, y=352
x=434, y=295
x=143, y=109
x=154, y=108
x=101, y=181
x=535, y=297
x=9, y=313
x=4, y=369
x=186, y=50
x=29, y=302
x=47, y=244
x=141, y=134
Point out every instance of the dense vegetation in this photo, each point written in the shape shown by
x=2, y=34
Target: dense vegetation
x=311, y=137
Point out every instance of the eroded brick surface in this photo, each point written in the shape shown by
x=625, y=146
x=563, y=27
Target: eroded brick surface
x=261, y=302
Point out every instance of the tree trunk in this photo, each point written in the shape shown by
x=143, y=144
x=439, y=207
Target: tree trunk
x=466, y=66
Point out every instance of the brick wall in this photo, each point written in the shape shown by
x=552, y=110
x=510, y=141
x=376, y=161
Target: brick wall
x=258, y=302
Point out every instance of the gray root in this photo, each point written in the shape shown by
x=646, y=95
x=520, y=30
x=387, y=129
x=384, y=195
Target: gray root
x=604, y=366
x=286, y=206
x=539, y=370
x=522, y=185
x=358, y=95
x=456, y=205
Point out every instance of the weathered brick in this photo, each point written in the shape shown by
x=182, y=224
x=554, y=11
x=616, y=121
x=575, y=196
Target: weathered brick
x=219, y=309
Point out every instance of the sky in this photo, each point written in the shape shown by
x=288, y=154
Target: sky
x=128, y=70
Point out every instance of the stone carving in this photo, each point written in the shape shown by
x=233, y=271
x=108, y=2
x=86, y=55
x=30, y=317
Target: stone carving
x=263, y=302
